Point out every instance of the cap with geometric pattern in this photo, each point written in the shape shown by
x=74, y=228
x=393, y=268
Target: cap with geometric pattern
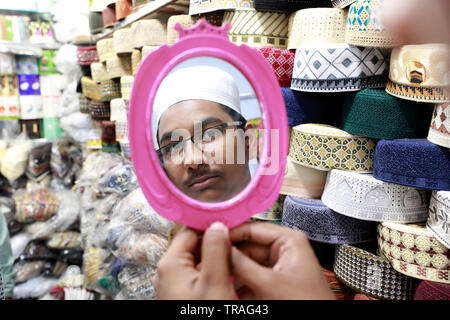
x=289, y=5
x=325, y=147
x=316, y=26
x=258, y=28
x=339, y=67
x=439, y=132
x=203, y=6
x=371, y=275
x=363, y=197
x=439, y=220
x=414, y=251
x=341, y=3
x=282, y=63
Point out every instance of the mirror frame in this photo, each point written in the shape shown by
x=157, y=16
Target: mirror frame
x=205, y=40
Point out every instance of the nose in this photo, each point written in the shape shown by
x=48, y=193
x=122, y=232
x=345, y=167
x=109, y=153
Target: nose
x=193, y=156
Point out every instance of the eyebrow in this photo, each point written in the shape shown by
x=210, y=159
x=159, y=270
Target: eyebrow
x=204, y=123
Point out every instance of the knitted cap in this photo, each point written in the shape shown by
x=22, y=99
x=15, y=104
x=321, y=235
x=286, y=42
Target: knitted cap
x=361, y=196
x=375, y=114
x=439, y=132
x=364, y=27
x=322, y=224
x=289, y=5
x=439, y=219
x=274, y=213
x=282, y=63
x=420, y=73
x=412, y=162
x=312, y=107
x=316, y=26
x=430, y=290
x=339, y=67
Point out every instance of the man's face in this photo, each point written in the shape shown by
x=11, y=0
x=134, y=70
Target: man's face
x=198, y=176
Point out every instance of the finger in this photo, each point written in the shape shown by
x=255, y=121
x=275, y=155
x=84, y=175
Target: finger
x=249, y=273
x=257, y=252
x=257, y=232
x=216, y=255
x=182, y=246
x=245, y=293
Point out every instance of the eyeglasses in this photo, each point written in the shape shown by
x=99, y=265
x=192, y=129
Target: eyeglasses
x=208, y=136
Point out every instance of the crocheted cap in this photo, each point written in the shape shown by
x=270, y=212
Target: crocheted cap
x=289, y=5
x=311, y=107
x=341, y=3
x=204, y=6
x=430, y=290
x=375, y=114
x=322, y=224
x=282, y=63
x=412, y=162
x=439, y=132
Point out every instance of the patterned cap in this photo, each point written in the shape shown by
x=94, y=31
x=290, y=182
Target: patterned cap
x=123, y=41
x=420, y=73
x=203, y=6
x=439, y=220
x=258, y=28
x=439, y=132
x=414, y=251
x=325, y=147
x=416, y=163
x=361, y=196
x=87, y=55
x=371, y=275
x=364, y=27
x=316, y=26
x=274, y=213
x=339, y=67
x=105, y=49
x=282, y=63
x=322, y=224
x=341, y=3
x=149, y=32
x=375, y=114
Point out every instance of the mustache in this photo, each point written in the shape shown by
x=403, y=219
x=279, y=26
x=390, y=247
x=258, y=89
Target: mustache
x=203, y=172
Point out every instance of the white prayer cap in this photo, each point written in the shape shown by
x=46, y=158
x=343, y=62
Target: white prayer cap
x=196, y=83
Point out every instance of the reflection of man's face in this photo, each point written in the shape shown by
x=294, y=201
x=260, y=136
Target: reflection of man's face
x=199, y=178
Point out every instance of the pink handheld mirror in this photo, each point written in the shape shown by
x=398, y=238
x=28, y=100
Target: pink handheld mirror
x=204, y=42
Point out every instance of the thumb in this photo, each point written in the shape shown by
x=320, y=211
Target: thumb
x=248, y=272
x=215, y=261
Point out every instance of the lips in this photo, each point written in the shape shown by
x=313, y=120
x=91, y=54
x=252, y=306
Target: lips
x=203, y=182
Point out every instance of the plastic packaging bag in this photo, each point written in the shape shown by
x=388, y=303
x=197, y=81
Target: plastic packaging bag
x=38, y=166
x=38, y=205
x=37, y=250
x=19, y=243
x=66, y=161
x=28, y=269
x=65, y=240
x=15, y=159
x=34, y=288
x=136, y=283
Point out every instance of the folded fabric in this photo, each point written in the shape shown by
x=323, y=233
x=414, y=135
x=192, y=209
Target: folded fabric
x=363, y=197
x=282, y=63
x=316, y=26
x=312, y=107
x=258, y=28
x=203, y=6
x=414, y=251
x=301, y=181
x=439, y=219
x=289, y=5
x=274, y=213
x=371, y=275
x=364, y=27
x=325, y=147
x=430, y=290
x=339, y=67
x=375, y=114
x=439, y=132
x=416, y=163
x=341, y=3
x=322, y=224
x=420, y=73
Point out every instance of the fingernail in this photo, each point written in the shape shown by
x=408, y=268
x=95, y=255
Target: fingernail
x=219, y=226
